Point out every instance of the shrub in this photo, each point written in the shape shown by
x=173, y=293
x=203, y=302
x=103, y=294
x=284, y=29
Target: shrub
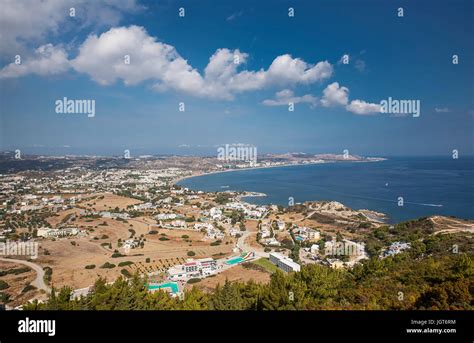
x=16, y=271
x=4, y=298
x=125, y=263
x=3, y=285
x=194, y=280
x=90, y=266
x=191, y=253
x=125, y=273
x=107, y=265
x=48, y=272
x=28, y=288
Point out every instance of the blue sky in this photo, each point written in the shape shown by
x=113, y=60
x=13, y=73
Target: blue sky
x=282, y=59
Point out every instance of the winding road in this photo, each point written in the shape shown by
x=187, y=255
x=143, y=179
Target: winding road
x=244, y=247
x=39, y=281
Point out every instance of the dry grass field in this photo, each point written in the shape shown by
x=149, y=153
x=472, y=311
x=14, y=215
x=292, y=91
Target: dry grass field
x=108, y=201
x=17, y=283
x=69, y=256
x=237, y=273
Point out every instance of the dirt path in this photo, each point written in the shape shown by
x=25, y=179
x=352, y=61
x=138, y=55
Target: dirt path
x=452, y=225
x=39, y=281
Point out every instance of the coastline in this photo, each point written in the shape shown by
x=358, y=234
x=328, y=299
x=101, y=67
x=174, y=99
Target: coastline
x=371, y=214
x=175, y=181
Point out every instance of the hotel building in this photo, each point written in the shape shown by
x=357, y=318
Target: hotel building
x=284, y=263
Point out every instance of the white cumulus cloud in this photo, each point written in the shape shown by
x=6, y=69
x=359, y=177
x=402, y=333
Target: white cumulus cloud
x=105, y=59
x=29, y=21
x=286, y=96
x=335, y=95
x=47, y=60
x=363, y=108
x=102, y=57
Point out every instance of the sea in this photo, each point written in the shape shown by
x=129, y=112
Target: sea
x=403, y=188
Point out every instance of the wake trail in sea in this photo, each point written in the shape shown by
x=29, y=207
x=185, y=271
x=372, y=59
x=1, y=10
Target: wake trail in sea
x=421, y=204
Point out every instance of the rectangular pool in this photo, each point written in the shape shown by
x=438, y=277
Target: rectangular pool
x=234, y=261
x=171, y=285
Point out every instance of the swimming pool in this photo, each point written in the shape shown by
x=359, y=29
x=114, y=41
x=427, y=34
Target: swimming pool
x=172, y=285
x=234, y=261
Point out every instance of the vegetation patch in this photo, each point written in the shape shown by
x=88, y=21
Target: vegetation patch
x=265, y=264
x=3, y=285
x=107, y=265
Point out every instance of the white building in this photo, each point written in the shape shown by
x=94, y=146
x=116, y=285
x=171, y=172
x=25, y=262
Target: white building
x=215, y=213
x=234, y=232
x=265, y=231
x=211, y=231
x=396, y=248
x=167, y=200
x=306, y=234
x=271, y=242
x=314, y=249
x=166, y=216
x=280, y=224
x=203, y=226
x=235, y=206
x=178, y=224
x=144, y=206
x=193, y=269
x=107, y=214
x=284, y=263
x=131, y=243
x=47, y=232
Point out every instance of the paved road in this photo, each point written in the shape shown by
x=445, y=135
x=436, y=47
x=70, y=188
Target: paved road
x=244, y=247
x=39, y=281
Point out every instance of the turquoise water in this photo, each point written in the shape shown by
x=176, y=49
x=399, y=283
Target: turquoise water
x=428, y=185
x=234, y=261
x=172, y=285
x=299, y=238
